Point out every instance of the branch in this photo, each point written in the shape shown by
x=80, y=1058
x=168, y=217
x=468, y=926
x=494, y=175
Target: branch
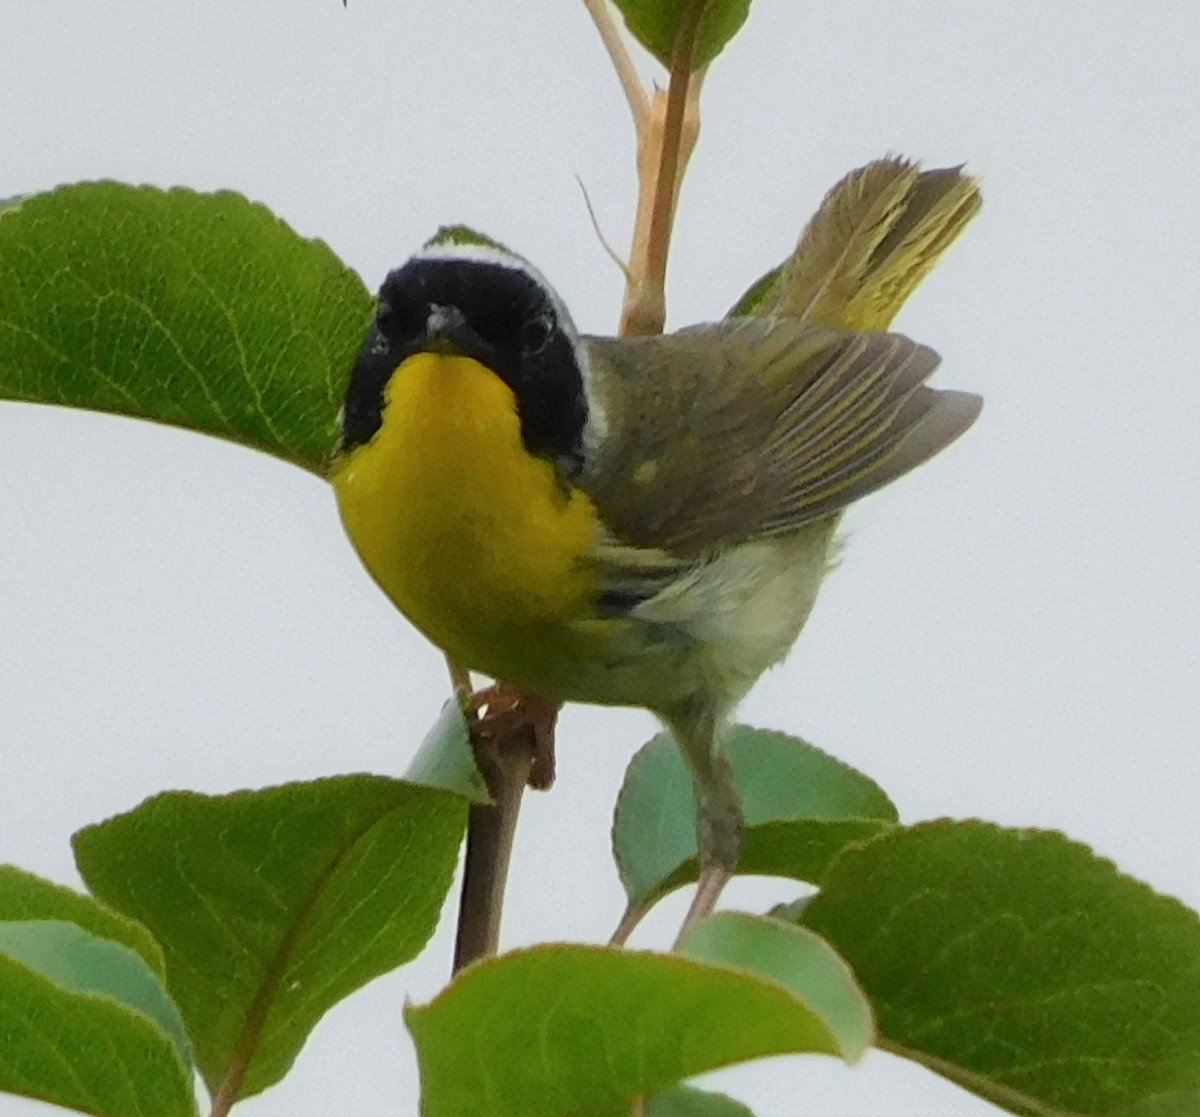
x=514, y=748
x=491, y=828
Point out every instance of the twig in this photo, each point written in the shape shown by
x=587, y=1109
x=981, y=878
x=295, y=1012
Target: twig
x=608, y=248
x=631, y=84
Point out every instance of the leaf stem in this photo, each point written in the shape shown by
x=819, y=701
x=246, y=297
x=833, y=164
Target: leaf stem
x=633, y=916
x=631, y=84
x=460, y=679
x=664, y=149
x=223, y=1102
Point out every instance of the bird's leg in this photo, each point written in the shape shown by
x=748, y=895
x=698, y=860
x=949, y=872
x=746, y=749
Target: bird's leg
x=720, y=825
x=720, y=829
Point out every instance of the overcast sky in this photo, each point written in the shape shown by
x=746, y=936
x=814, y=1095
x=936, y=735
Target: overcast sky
x=1014, y=631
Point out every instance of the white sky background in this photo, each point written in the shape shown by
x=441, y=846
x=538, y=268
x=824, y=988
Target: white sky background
x=1014, y=631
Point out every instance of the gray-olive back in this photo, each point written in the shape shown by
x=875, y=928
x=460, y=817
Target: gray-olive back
x=738, y=430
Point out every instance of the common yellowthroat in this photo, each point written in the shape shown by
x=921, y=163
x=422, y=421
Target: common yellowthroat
x=635, y=521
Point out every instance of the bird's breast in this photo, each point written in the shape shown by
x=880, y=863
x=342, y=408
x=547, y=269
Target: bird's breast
x=481, y=545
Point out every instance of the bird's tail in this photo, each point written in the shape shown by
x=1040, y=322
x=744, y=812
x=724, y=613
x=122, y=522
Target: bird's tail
x=878, y=233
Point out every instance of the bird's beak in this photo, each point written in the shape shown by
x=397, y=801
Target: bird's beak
x=447, y=331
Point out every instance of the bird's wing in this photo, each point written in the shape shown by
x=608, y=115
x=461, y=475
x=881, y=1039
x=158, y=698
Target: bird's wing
x=739, y=430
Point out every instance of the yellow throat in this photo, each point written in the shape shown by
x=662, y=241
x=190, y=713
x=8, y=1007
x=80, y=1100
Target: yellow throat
x=480, y=544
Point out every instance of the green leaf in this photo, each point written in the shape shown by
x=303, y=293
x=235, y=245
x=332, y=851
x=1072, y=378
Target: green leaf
x=1023, y=967
x=560, y=1029
x=655, y=24
x=464, y=234
x=271, y=906
x=68, y=1033
x=446, y=759
x=25, y=896
x=802, y=808
x=84, y=963
x=202, y=311
x=760, y=297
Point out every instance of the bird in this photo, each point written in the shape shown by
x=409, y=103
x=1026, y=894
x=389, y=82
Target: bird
x=634, y=521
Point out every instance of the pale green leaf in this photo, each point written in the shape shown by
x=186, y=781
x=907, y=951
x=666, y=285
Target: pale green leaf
x=800, y=961
x=26, y=896
x=679, y=1101
x=802, y=808
x=686, y=1101
x=446, y=759
x=84, y=963
x=67, y=1039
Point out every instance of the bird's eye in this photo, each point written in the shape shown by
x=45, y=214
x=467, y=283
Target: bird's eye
x=535, y=333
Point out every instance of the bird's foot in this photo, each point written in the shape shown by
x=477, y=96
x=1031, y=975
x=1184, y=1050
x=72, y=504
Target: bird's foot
x=507, y=718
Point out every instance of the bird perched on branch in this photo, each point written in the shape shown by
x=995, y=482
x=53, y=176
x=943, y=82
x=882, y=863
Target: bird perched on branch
x=643, y=521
